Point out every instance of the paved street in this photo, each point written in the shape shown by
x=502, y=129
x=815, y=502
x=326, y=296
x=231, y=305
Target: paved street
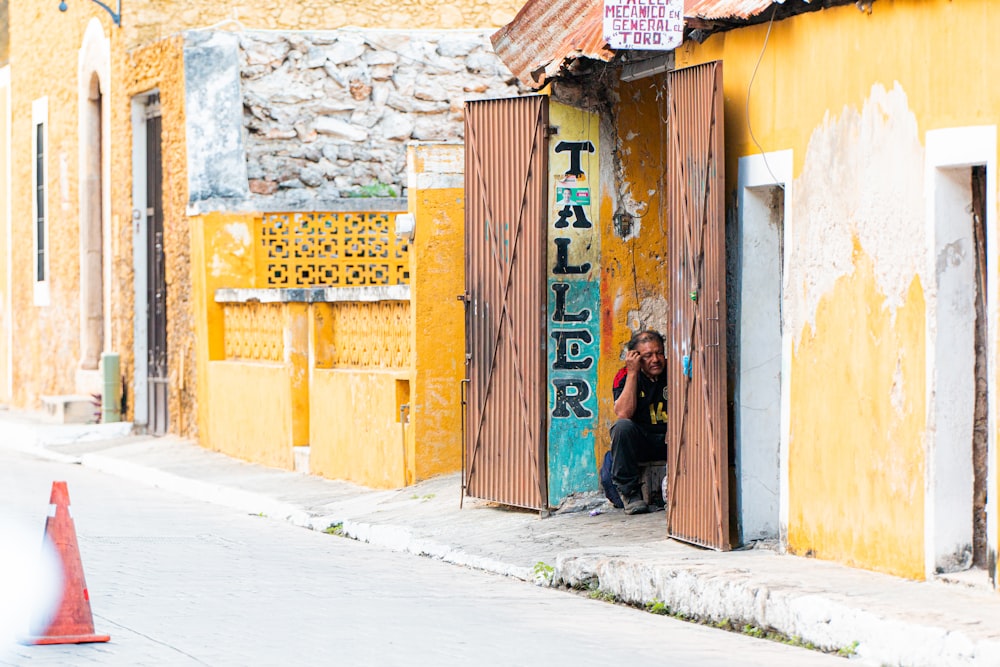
x=180, y=582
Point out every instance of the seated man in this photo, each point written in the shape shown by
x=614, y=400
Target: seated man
x=639, y=434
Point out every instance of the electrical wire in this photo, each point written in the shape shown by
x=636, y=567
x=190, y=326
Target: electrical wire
x=753, y=76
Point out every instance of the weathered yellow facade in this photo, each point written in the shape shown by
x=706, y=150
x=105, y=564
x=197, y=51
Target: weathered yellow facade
x=50, y=52
x=160, y=68
x=860, y=266
x=860, y=232
x=437, y=202
x=44, y=334
x=634, y=284
x=367, y=378
x=152, y=20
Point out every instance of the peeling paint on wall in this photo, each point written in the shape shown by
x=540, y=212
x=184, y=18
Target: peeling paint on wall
x=652, y=314
x=862, y=178
x=573, y=294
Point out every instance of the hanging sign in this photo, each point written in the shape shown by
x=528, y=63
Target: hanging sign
x=648, y=25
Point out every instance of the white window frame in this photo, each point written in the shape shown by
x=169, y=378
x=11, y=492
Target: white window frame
x=40, y=116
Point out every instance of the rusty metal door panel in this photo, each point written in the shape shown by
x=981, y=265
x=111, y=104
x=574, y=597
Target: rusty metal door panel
x=505, y=198
x=698, y=492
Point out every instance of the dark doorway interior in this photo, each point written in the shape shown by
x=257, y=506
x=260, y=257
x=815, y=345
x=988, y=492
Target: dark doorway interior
x=156, y=285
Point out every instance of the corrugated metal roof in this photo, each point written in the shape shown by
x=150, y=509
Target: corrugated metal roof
x=546, y=36
x=726, y=9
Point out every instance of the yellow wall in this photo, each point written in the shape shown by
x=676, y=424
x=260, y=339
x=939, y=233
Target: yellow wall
x=352, y=434
x=221, y=256
x=6, y=316
x=856, y=468
x=254, y=412
x=146, y=54
x=44, y=49
x=634, y=284
x=347, y=368
x=157, y=67
x=437, y=277
x=855, y=303
x=46, y=337
x=258, y=409
x=149, y=20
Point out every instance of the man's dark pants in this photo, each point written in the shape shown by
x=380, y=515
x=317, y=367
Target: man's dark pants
x=631, y=445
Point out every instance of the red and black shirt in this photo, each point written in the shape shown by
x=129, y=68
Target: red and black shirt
x=650, y=401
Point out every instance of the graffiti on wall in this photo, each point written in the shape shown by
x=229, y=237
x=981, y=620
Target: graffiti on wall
x=573, y=302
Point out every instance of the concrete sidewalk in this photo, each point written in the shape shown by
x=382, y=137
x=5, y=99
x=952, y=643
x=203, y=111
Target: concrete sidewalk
x=886, y=620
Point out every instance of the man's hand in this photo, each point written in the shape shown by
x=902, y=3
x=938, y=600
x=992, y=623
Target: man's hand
x=625, y=403
x=632, y=362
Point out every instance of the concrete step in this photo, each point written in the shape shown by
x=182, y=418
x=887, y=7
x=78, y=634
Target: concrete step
x=72, y=408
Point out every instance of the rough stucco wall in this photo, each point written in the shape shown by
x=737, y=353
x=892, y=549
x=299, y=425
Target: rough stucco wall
x=437, y=201
x=214, y=116
x=856, y=297
x=6, y=315
x=633, y=225
x=875, y=199
x=46, y=338
x=847, y=441
x=856, y=458
x=152, y=20
x=160, y=67
x=43, y=45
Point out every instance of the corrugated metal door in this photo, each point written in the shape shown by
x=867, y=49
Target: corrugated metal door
x=505, y=195
x=698, y=461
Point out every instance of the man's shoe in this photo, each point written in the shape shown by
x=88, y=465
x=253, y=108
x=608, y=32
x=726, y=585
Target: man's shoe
x=636, y=505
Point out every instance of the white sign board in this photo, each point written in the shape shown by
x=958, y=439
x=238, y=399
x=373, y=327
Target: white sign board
x=648, y=25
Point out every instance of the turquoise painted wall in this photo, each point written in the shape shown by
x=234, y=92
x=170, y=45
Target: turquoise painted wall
x=573, y=302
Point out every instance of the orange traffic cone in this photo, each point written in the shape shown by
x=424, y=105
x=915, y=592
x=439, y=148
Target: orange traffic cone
x=73, y=622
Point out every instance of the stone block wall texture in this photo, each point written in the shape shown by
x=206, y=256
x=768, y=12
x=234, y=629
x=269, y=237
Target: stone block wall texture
x=328, y=115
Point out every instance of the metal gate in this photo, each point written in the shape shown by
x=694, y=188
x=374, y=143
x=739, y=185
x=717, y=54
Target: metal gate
x=698, y=456
x=156, y=283
x=505, y=234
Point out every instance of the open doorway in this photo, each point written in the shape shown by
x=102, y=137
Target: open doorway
x=150, y=341
x=980, y=420
x=757, y=330
x=957, y=539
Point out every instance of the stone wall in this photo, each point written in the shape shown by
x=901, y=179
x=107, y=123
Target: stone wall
x=328, y=114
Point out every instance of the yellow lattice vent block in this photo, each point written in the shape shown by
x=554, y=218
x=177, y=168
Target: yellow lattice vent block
x=254, y=331
x=370, y=334
x=331, y=250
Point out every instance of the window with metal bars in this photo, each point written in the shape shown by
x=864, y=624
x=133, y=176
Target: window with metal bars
x=40, y=202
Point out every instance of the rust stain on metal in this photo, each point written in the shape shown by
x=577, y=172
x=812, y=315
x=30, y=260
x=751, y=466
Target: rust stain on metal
x=505, y=215
x=726, y=9
x=548, y=36
x=545, y=37
x=698, y=496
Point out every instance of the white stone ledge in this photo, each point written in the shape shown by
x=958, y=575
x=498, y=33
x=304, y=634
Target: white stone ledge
x=261, y=205
x=314, y=294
